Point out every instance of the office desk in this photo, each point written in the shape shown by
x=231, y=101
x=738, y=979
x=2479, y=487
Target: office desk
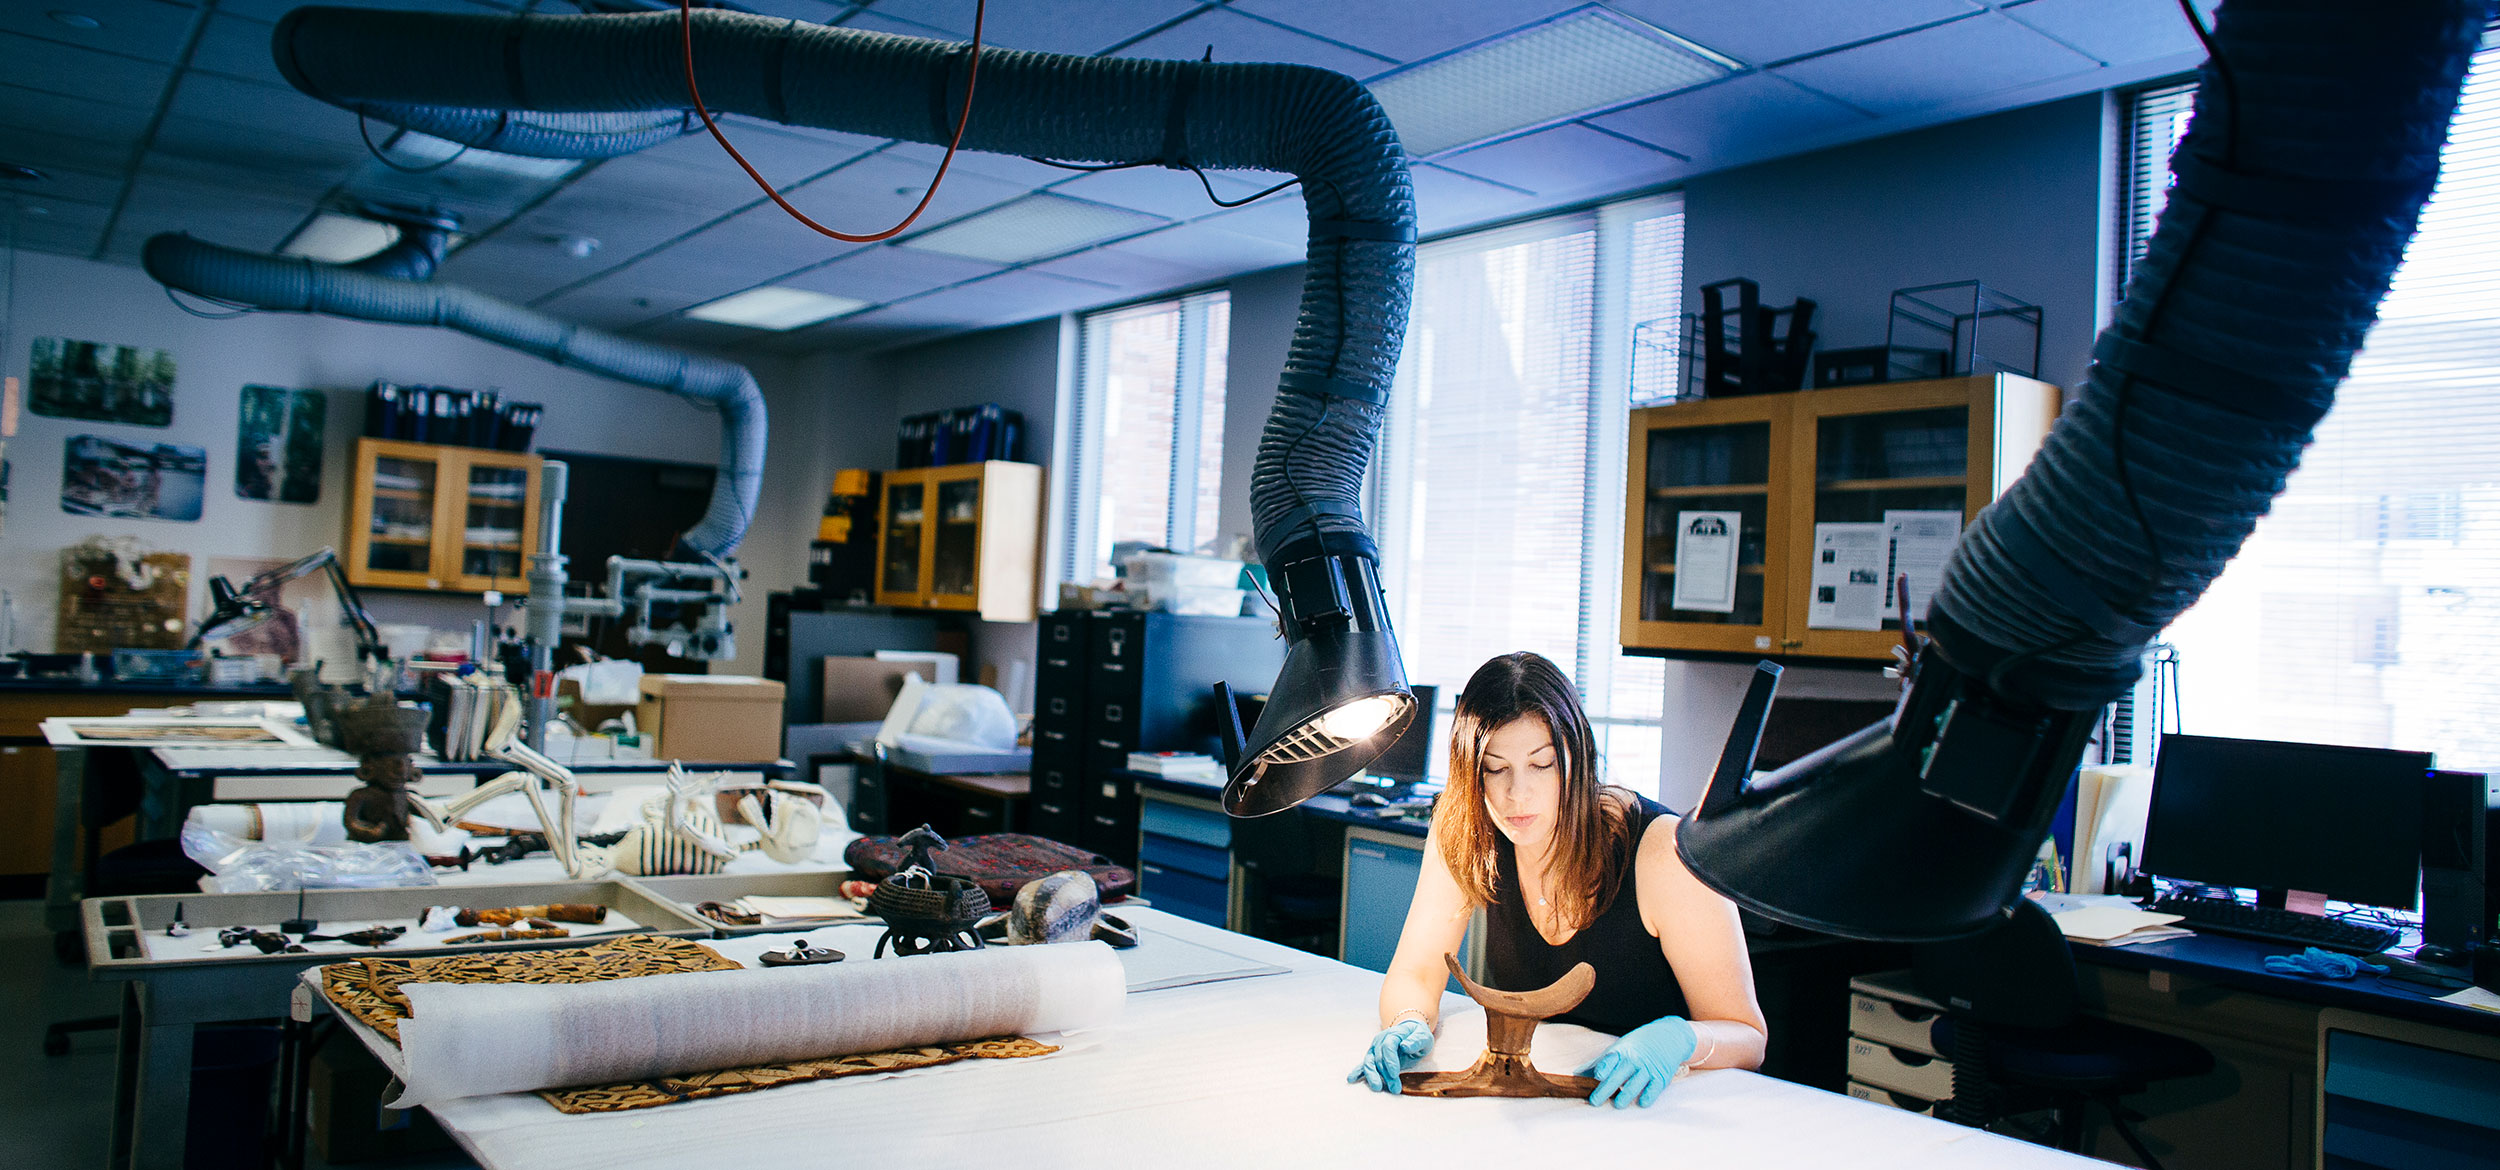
x=1245, y=1073
x=2258, y=1108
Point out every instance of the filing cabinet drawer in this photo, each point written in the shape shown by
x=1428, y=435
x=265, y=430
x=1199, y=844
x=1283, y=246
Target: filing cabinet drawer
x=1058, y=820
x=1915, y=1073
x=1180, y=892
x=1902, y=1101
x=1906, y=1026
x=1183, y=856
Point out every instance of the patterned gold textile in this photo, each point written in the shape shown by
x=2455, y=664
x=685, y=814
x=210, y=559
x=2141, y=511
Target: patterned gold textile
x=369, y=990
x=695, y=1087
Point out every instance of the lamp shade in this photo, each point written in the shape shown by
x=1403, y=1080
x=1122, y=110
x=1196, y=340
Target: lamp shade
x=1340, y=701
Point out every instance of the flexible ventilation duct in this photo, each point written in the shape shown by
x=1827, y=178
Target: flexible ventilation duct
x=294, y=285
x=455, y=75
x=2314, y=143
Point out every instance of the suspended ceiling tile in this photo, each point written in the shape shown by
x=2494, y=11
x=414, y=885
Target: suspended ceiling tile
x=1446, y=200
x=615, y=303
x=2116, y=31
x=881, y=274
x=999, y=300
x=36, y=110
x=62, y=184
x=1169, y=193
x=624, y=226
x=1404, y=32
x=60, y=219
x=280, y=165
x=692, y=333
x=1237, y=38
x=1083, y=29
x=691, y=190
x=251, y=227
x=517, y=268
x=1211, y=251
x=1566, y=159
x=146, y=29
x=1939, y=66
x=876, y=192
x=69, y=237
x=80, y=73
x=251, y=108
x=786, y=156
x=1127, y=272
x=1733, y=119
x=1760, y=32
x=236, y=47
x=49, y=151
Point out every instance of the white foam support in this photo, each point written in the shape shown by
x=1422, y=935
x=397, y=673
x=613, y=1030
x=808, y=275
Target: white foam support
x=465, y=1040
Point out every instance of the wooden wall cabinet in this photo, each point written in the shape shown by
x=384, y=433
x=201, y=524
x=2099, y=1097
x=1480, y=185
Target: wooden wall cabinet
x=451, y=519
x=1787, y=462
x=964, y=537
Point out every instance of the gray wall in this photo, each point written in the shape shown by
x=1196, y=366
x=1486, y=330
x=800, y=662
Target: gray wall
x=2015, y=200
x=64, y=297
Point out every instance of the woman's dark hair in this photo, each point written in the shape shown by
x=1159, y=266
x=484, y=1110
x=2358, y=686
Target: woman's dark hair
x=1591, y=826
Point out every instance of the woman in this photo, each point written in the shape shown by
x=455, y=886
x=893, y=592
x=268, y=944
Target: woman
x=1567, y=871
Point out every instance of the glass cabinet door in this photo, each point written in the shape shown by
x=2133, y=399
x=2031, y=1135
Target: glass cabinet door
x=898, y=577
x=1705, y=526
x=400, y=535
x=492, y=534
x=954, y=575
x=1900, y=472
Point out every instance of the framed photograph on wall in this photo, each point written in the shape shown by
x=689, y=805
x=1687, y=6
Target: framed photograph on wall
x=147, y=481
x=97, y=382
x=278, y=446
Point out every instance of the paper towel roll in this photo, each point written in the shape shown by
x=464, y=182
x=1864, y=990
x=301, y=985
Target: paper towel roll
x=314, y=822
x=468, y=1040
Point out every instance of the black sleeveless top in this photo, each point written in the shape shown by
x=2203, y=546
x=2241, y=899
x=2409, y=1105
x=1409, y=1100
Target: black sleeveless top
x=1634, y=983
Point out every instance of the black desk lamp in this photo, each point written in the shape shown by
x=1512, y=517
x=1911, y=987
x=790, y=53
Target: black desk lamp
x=233, y=610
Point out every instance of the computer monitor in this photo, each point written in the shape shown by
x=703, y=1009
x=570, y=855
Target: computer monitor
x=2345, y=822
x=1410, y=758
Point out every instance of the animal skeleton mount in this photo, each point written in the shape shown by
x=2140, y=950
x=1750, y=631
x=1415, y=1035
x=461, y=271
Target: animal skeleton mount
x=537, y=778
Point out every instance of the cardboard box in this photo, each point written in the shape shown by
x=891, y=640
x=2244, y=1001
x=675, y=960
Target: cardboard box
x=711, y=718
x=862, y=690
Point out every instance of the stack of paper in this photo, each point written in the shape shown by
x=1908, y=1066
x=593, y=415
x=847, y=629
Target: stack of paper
x=1178, y=765
x=2102, y=920
x=797, y=910
x=2111, y=801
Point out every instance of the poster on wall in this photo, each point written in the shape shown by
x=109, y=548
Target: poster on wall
x=145, y=481
x=278, y=446
x=101, y=383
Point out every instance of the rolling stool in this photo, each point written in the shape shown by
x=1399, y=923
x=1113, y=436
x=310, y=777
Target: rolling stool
x=2018, y=1042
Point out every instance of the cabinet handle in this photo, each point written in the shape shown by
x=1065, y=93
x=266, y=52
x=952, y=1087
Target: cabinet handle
x=1367, y=851
x=1793, y=643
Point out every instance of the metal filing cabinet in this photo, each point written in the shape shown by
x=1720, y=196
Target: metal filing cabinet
x=1892, y=1050
x=1111, y=682
x=1185, y=858
x=1056, y=807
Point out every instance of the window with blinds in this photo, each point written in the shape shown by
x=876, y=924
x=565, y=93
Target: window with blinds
x=2366, y=609
x=1498, y=486
x=1148, y=458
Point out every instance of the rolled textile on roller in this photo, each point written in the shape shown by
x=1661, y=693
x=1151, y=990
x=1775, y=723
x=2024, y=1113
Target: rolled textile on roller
x=469, y=1040
x=314, y=822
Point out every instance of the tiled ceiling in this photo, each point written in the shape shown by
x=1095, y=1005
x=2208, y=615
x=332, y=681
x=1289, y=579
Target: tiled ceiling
x=167, y=115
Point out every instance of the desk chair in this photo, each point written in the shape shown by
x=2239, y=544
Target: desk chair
x=1292, y=898
x=2018, y=1042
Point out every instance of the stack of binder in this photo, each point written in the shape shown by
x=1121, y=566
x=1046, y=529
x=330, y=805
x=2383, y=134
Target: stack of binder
x=465, y=710
x=963, y=434
x=459, y=418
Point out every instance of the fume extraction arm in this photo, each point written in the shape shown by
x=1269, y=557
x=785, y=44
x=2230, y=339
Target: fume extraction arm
x=2315, y=141
x=602, y=85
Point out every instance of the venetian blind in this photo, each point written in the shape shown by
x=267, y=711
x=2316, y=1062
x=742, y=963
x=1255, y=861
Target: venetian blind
x=2366, y=608
x=1149, y=422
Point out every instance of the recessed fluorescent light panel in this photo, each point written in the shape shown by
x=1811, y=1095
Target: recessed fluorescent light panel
x=775, y=307
x=1030, y=228
x=339, y=239
x=1587, y=61
x=410, y=148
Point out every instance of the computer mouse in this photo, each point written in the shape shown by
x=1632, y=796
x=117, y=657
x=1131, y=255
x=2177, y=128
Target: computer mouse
x=1368, y=800
x=2439, y=956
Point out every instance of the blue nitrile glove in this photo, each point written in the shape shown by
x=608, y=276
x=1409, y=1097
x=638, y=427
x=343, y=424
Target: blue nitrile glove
x=1398, y=1045
x=2318, y=964
x=1640, y=1064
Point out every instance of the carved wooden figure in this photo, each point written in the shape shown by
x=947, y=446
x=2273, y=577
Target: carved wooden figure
x=1510, y=1019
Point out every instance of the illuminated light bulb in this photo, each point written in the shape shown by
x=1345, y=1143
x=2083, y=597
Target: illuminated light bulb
x=1360, y=719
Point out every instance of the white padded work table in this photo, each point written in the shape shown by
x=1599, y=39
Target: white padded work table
x=1248, y=1072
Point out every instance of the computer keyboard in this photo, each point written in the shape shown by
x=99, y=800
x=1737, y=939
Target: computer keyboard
x=2289, y=927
